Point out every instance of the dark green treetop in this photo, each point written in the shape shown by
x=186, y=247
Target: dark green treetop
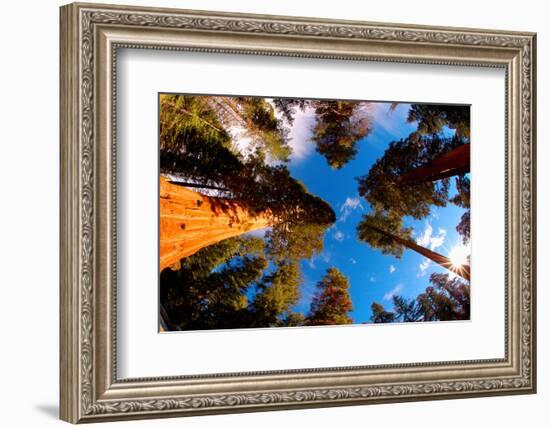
x=447, y=298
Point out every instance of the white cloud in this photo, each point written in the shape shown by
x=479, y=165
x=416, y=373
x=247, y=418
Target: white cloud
x=241, y=142
x=423, y=267
x=259, y=233
x=392, y=268
x=390, y=120
x=351, y=203
x=300, y=134
x=349, y=206
x=323, y=257
x=429, y=240
x=338, y=236
x=389, y=295
x=372, y=279
x=353, y=260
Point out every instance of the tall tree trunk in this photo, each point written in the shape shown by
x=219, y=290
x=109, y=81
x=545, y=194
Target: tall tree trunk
x=455, y=162
x=462, y=271
x=190, y=221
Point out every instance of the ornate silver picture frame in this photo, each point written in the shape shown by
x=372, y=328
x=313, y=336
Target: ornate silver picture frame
x=91, y=35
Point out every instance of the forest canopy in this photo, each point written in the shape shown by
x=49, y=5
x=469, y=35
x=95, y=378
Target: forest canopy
x=254, y=226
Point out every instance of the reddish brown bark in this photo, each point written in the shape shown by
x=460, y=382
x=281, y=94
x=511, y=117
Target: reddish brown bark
x=190, y=221
x=455, y=162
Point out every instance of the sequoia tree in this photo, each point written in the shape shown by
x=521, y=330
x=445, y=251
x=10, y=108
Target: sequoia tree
x=383, y=186
x=452, y=163
x=331, y=302
x=414, y=175
x=242, y=192
x=190, y=221
x=385, y=231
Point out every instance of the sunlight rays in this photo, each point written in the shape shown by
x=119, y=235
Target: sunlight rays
x=459, y=255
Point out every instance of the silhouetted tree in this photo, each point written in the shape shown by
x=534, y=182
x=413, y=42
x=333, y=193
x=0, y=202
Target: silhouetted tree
x=462, y=199
x=209, y=291
x=432, y=118
x=446, y=299
x=406, y=310
x=287, y=107
x=380, y=315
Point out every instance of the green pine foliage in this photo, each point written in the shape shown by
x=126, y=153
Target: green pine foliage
x=331, y=303
x=382, y=188
x=432, y=118
x=370, y=230
x=209, y=291
x=392, y=200
x=380, y=315
x=447, y=298
x=277, y=293
x=339, y=126
x=247, y=282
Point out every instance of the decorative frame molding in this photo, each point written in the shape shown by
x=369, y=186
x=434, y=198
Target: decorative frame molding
x=90, y=36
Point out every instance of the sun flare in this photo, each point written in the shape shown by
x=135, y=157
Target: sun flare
x=459, y=255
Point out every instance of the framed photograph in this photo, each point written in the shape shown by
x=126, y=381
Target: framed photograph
x=266, y=212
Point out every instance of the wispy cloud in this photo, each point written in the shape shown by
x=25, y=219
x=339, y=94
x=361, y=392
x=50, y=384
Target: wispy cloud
x=353, y=261
x=423, y=267
x=395, y=291
x=351, y=204
x=323, y=257
x=392, y=268
x=429, y=240
x=372, y=279
x=300, y=134
x=391, y=121
x=338, y=236
x=240, y=140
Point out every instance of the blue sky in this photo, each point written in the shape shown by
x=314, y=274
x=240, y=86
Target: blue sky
x=372, y=276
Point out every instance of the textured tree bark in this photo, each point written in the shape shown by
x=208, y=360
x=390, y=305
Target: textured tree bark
x=455, y=162
x=190, y=221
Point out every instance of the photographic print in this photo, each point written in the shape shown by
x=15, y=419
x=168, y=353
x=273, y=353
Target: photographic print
x=283, y=212
x=247, y=207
